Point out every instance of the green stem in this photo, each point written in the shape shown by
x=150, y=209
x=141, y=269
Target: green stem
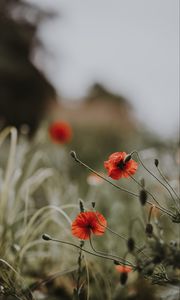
x=108, y=254
x=84, y=250
x=144, y=166
x=162, y=175
x=73, y=154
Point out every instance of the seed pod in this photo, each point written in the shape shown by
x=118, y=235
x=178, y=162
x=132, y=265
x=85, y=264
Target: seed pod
x=81, y=206
x=127, y=158
x=123, y=278
x=156, y=162
x=130, y=244
x=149, y=230
x=81, y=243
x=46, y=237
x=93, y=204
x=143, y=197
x=73, y=154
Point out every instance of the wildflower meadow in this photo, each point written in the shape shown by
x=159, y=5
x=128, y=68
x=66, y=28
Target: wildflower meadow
x=120, y=241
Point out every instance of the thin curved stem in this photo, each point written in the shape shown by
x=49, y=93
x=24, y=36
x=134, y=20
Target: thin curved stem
x=160, y=206
x=150, y=213
x=152, y=174
x=104, y=178
x=79, y=272
x=162, y=175
x=52, y=277
x=73, y=154
x=118, y=235
x=85, y=250
x=108, y=255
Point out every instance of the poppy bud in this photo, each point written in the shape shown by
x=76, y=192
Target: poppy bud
x=156, y=162
x=81, y=206
x=73, y=154
x=127, y=158
x=116, y=262
x=130, y=244
x=123, y=278
x=149, y=230
x=46, y=237
x=143, y=197
x=81, y=243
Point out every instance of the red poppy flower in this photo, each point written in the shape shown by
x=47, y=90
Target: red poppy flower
x=60, y=132
x=123, y=269
x=88, y=222
x=118, y=168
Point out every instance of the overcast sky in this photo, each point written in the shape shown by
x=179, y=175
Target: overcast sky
x=131, y=46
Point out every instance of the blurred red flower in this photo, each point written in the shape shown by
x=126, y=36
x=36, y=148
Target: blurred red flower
x=60, y=132
x=88, y=222
x=94, y=179
x=123, y=269
x=117, y=167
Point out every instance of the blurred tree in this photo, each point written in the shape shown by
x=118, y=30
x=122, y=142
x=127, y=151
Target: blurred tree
x=25, y=93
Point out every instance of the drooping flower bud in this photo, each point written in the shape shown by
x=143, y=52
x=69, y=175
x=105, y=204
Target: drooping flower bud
x=127, y=158
x=149, y=230
x=123, y=278
x=93, y=204
x=130, y=244
x=81, y=206
x=116, y=262
x=81, y=243
x=73, y=155
x=156, y=162
x=46, y=237
x=143, y=197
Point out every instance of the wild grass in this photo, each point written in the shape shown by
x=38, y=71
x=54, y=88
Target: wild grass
x=37, y=196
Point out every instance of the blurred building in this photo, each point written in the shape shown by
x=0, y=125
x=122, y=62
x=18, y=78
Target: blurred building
x=102, y=122
x=101, y=108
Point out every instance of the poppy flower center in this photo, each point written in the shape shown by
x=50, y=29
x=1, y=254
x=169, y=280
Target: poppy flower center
x=121, y=164
x=89, y=228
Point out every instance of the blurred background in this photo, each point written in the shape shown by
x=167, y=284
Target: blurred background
x=100, y=51
x=110, y=69
x=130, y=48
x=91, y=76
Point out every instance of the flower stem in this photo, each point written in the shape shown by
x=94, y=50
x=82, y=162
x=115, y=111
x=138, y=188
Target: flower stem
x=117, y=234
x=78, y=247
x=153, y=175
x=101, y=176
x=78, y=285
x=159, y=205
x=162, y=175
x=73, y=154
x=109, y=255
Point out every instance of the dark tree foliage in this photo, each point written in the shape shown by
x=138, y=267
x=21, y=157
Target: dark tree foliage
x=25, y=93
